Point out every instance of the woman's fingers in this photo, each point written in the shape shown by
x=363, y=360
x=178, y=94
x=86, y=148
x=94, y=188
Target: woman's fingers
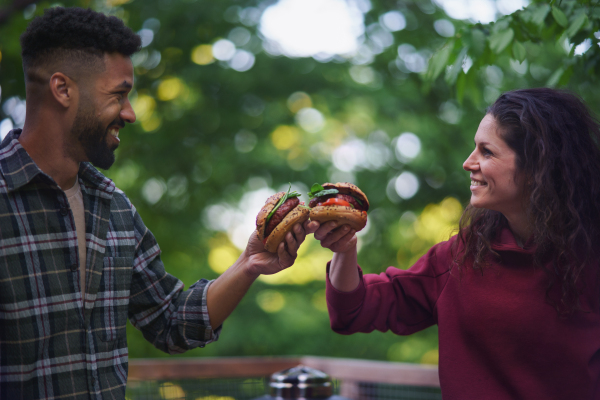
x=325, y=229
x=345, y=243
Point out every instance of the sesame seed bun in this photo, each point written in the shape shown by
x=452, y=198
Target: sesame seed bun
x=296, y=216
x=343, y=215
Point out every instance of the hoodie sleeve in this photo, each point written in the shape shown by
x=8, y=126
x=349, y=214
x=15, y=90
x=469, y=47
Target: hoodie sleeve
x=401, y=300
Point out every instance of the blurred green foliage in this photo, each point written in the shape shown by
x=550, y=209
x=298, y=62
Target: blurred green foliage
x=209, y=135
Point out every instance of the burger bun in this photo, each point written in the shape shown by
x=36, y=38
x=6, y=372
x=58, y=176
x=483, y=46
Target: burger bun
x=343, y=215
x=296, y=216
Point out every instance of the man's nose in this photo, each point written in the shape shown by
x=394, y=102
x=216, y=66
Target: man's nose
x=127, y=113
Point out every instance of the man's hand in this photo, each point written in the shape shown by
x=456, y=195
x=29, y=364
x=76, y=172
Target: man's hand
x=226, y=291
x=260, y=261
x=337, y=239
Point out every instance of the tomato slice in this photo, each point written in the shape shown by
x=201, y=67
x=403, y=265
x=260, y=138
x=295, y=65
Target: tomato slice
x=335, y=202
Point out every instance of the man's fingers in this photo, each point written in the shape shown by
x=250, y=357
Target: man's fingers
x=285, y=259
x=299, y=233
x=292, y=245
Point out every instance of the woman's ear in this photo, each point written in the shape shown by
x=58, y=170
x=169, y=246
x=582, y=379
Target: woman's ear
x=63, y=89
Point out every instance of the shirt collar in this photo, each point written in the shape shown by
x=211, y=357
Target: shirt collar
x=18, y=168
x=505, y=241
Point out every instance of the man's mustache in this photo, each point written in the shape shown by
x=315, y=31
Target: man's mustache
x=118, y=122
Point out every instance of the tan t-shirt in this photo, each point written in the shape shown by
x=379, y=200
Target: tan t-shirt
x=76, y=202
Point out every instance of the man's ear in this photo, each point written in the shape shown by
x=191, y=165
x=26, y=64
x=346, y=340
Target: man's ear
x=63, y=89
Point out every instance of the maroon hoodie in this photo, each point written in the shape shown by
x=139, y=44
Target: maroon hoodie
x=499, y=336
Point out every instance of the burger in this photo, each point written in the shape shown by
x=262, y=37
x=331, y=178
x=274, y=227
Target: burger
x=278, y=216
x=342, y=202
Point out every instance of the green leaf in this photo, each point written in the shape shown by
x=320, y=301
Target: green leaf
x=519, y=52
x=566, y=76
x=555, y=77
x=559, y=17
x=461, y=84
x=499, y=40
x=454, y=70
x=325, y=192
x=315, y=188
x=477, y=41
x=438, y=61
x=576, y=25
x=288, y=195
x=539, y=14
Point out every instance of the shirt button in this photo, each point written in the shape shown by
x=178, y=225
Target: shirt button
x=74, y=267
x=64, y=211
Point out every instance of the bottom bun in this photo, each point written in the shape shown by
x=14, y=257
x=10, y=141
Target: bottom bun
x=297, y=216
x=343, y=215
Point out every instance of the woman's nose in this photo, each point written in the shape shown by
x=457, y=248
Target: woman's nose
x=470, y=163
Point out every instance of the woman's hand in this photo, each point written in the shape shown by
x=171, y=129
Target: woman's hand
x=337, y=239
x=343, y=271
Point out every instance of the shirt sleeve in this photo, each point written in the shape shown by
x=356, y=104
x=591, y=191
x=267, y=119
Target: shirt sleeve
x=402, y=301
x=172, y=319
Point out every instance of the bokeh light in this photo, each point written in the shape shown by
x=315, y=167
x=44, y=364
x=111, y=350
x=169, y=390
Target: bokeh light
x=153, y=190
x=438, y=222
x=270, y=300
x=147, y=36
x=303, y=28
x=170, y=89
x=393, y=20
x=406, y=185
x=6, y=125
x=285, y=137
x=202, y=54
x=310, y=119
x=223, y=50
x=222, y=257
x=298, y=101
x=241, y=60
x=444, y=27
x=407, y=147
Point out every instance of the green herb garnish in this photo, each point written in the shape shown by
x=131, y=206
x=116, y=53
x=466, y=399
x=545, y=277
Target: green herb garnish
x=288, y=195
x=317, y=191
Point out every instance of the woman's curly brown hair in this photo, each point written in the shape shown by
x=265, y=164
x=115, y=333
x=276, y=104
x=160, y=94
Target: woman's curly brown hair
x=555, y=138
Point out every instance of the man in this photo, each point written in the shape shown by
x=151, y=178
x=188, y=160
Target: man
x=76, y=259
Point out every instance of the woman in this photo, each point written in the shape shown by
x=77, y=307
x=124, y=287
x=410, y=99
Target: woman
x=516, y=293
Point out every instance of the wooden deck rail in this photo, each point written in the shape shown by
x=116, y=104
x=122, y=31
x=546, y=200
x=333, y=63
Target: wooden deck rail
x=349, y=371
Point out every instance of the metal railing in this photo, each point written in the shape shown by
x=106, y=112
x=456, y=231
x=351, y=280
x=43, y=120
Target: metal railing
x=246, y=378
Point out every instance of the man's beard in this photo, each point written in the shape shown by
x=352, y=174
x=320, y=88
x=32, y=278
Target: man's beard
x=91, y=134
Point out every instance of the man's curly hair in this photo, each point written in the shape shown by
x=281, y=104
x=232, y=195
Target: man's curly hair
x=75, y=32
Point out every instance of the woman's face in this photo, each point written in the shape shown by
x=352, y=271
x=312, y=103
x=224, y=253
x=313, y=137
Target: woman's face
x=493, y=172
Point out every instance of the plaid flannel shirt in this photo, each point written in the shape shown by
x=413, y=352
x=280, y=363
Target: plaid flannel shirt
x=51, y=345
